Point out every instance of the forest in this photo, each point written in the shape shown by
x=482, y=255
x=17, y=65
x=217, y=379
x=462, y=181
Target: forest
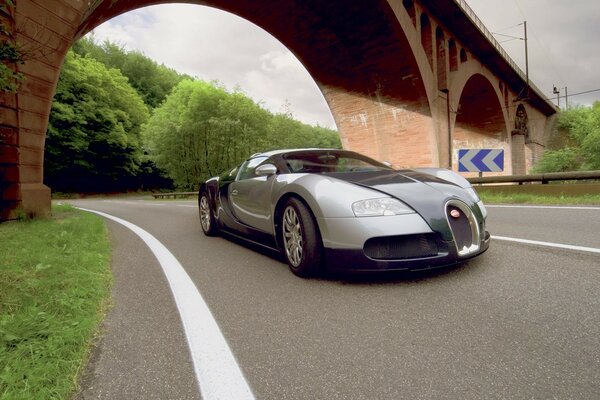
x=122, y=122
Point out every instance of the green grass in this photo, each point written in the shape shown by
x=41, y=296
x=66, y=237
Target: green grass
x=55, y=283
x=521, y=198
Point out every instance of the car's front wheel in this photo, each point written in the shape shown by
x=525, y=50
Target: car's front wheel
x=301, y=240
x=207, y=220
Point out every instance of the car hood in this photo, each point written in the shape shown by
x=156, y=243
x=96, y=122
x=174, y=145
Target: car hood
x=425, y=193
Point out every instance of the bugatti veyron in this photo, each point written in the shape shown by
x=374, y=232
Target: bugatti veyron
x=340, y=210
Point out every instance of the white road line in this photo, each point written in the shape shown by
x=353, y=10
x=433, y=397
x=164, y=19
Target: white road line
x=217, y=372
x=547, y=244
x=545, y=207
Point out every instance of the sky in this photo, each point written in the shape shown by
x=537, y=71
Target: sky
x=214, y=45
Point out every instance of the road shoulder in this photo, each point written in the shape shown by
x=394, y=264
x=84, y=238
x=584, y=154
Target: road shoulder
x=142, y=351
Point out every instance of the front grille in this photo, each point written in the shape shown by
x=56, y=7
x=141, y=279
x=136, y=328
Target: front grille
x=402, y=247
x=464, y=227
x=461, y=228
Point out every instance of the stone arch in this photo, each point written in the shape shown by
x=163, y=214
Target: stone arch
x=373, y=61
x=370, y=78
x=480, y=118
x=426, y=39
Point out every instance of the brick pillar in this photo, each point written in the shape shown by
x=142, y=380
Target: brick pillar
x=45, y=31
x=517, y=149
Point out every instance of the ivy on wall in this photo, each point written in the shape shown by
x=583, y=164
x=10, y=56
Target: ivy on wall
x=11, y=53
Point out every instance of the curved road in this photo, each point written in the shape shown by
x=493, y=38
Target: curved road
x=520, y=322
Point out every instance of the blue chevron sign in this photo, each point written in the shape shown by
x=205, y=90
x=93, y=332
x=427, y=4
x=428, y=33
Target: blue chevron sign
x=480, y=160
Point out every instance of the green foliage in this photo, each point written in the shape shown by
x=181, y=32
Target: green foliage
x=54, y=290
x=582, y=151
x=11, y=54
x=9, y=79
x=191, y=135
x=93, y=141
x=590, y=147
x=489, y=197
x=197, y=129
x=152, y=81
x=201, y=129
x=562, y=160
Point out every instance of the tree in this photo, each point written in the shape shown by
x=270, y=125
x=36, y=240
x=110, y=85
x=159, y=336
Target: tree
x=152, y=81
x=177, y=130
x=286, y=132
x=201, y=130
x=93, y=139
x=580, y=148
x=197, y=129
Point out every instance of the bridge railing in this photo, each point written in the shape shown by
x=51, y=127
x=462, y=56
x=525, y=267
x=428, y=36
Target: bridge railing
x=485, y=32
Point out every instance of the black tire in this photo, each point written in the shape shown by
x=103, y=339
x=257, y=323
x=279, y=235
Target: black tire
x=300, y=239
x=207, y=219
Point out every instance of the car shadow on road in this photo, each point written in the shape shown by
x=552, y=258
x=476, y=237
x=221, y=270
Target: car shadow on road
x=376, y=277
x=395, y=277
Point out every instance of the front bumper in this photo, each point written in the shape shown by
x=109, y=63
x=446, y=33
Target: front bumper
x=356, y=260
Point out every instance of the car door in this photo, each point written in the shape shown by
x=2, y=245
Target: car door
x=250, y=196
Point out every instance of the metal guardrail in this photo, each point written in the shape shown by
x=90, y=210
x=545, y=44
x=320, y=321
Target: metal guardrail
x=174, y=195
x=543, y=178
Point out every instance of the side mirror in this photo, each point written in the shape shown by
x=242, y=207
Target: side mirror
x=266, y=170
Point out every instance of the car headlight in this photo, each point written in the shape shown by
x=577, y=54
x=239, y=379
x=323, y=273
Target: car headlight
x=473, y=194
x=379, y=207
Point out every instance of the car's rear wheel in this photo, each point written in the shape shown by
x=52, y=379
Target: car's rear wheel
x=207, y=220
x=301, y=240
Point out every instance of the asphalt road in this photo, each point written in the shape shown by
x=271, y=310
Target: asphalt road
x=519, y=322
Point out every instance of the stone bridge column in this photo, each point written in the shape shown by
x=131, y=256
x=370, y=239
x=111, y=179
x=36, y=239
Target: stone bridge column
x=517, y=149
x=44, y=31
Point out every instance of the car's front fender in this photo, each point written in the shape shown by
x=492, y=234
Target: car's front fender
x=327, y=197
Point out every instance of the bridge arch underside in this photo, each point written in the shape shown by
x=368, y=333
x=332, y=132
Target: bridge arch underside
x=358, y=55
x=480, y=121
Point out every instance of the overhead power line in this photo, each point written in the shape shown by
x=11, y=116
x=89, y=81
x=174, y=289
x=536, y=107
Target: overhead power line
x=586, y=92
x=508, y=36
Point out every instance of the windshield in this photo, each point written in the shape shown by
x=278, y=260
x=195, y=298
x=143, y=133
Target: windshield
x=330, y=162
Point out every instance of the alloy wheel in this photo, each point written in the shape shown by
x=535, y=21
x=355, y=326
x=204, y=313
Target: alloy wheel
x=204, y=214
x=292, y=236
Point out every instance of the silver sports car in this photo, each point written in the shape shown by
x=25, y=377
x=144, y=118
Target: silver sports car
x=336, y=209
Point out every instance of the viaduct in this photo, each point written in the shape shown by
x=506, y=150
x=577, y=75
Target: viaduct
x=407, y=81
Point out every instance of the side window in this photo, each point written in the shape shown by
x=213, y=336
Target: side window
x=346, y=164
x=247, y=168
x=229, y=175
x=294, y=165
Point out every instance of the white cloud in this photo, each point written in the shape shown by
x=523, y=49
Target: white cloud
x=214, y=45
